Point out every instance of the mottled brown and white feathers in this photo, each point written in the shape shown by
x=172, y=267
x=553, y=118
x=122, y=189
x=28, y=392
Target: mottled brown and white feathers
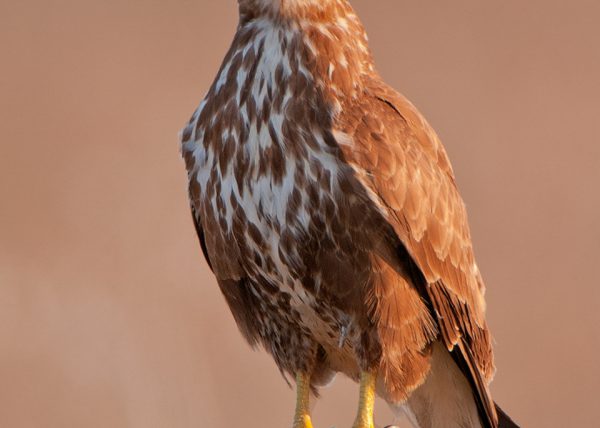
x=328, y=210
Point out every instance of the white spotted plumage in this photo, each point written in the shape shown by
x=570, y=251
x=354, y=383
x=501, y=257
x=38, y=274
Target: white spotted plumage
x=262, y=200
x=328, y=211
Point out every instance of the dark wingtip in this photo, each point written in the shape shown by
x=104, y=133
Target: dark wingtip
x=504, y=421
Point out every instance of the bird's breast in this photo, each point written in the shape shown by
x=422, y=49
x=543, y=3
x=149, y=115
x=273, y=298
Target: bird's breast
x=269, y=182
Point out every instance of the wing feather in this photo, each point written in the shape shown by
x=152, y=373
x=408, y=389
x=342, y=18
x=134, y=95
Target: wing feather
x=237, y=292
x=398, y=157
x=201, y=237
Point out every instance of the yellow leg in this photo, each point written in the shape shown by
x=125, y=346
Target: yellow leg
x=302, y=417
x=366, y=403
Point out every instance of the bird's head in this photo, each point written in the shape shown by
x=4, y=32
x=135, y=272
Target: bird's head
x=320, y=10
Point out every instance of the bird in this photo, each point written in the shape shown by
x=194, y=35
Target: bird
x=329, y=213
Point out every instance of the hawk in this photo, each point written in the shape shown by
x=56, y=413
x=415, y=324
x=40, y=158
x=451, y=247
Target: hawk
x=328, y=211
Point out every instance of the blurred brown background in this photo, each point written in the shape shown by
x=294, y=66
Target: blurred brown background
x=109, y=316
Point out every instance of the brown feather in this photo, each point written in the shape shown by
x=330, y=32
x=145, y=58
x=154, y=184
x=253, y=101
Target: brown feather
x=430, y=221
x=327, y=208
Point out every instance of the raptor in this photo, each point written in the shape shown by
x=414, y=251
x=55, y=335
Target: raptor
x=329, y=213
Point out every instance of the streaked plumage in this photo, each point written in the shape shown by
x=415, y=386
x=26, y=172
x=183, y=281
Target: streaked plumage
x=327, y=208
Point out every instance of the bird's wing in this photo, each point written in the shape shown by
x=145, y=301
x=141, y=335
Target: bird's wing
x=235, y=288
x=201, y=237
x=400, y=161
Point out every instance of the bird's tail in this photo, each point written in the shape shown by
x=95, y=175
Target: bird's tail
x=504, y=421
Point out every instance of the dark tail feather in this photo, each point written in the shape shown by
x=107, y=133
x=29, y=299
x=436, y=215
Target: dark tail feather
x=504, y=421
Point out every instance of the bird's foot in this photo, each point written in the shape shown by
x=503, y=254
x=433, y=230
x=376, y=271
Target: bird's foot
x=366, y=404
x=363, y=425
x=302, y=415
x=303, y=422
